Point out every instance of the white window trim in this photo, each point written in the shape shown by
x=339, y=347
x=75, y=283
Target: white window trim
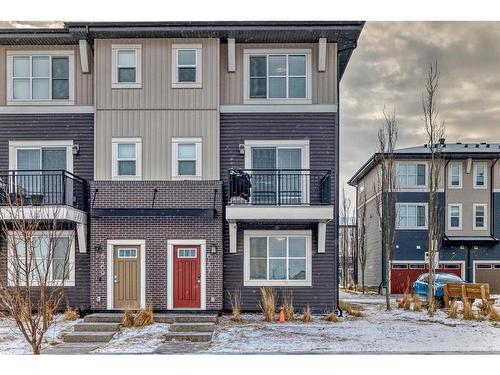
x=459, y=205
x=246, y=77
x=138, y=154
x=175, y=76
x=15, y=145
x=71, y=75
x=425, y=186
x=450, y=186
x=475, y=165
x=474, y=205
x=398, y=206
x=246, y=250
x=114, y=66
x=110, y=260
x=199, y=156
x=71, y=260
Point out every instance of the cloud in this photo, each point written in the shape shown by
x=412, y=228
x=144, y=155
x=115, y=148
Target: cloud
x=388, y=68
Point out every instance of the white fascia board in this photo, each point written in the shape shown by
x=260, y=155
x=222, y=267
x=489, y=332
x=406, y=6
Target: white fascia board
x=44, y=213
x=312, y=214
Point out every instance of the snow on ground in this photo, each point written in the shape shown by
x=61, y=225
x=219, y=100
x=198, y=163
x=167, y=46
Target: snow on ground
x=379, y=331
x=12, y=341
x=136, y=340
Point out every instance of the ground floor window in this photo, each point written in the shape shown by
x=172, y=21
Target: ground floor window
x=277, y=258
x=48, y=257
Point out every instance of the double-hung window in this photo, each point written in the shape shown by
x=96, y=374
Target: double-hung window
x=277, y=76
x=127, y=158
x=126, y=65
x=277, y=258
x=186, y=66
x=411, y=215
x=455, y=176
x=480, y=176
x=46, y=258
x=411, y=174
x=454, y=216
x=40, y=77
x=480, y=219
x=186, y=158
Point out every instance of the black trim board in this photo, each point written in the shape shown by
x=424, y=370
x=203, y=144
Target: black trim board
x=152, y=212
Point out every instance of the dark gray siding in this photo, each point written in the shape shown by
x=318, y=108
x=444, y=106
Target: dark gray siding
x=76, y=127
x=319, y=128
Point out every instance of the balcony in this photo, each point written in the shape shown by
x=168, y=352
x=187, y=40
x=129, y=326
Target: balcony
x=45, y=195
x=284, y=195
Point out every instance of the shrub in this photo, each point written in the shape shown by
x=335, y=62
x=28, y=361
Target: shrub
x=307, y=317
x=268, y=303
x=144, y=317
x=494, y=314
x=453, y=310
x=235, y=301
x=128, y=318
x=468, y=314
x=417, y=303
x=70, y=314
x=332, y=317
x=288, y=305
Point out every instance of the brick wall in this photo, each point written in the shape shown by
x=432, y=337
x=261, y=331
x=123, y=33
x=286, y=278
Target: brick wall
x=156, y=231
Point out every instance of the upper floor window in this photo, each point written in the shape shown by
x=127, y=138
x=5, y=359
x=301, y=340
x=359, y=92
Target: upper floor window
x=127, y=158
x=479, y=212
x=480, y=176
x=274, y=76
x=411, y=215
x=455, y=175
x=40, y=77
x=186, y=158
x=455, y=216
x=411, y=174
x=126, y=65
x=186, y=66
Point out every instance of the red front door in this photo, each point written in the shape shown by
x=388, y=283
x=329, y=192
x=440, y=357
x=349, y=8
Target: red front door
x=187, y=276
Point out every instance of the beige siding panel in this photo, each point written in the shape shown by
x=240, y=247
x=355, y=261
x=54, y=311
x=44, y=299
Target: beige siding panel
x=157, y=128
x=324, y=84
x=156, y=91
x=83, y=82
x=373, y=271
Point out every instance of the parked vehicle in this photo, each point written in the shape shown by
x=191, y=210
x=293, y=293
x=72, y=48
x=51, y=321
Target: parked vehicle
x=440, y=279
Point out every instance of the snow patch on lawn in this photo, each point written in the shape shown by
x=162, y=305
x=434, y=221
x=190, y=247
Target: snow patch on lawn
x=12, y=341
x=136, y=340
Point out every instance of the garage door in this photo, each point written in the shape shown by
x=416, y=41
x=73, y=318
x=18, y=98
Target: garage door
x=403, y=274
x=488, y=273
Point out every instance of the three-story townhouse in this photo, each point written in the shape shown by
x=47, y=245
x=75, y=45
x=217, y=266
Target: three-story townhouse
x=469, y=245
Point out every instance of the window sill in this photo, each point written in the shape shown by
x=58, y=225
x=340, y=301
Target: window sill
x=276, y=283
x=277, y=101
x=40, y=102
x=126, y=85
x=412, y=228
x=186, y=178
x=49, y=284
x=185, y=85
x=480, y=187
x=126, y=178
x=454, y=187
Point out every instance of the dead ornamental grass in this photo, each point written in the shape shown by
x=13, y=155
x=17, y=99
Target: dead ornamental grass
x=494, y=314
x=144, y=317
x=467, y=311
x=416, y=302
x=351, y=309
x=268, y=303
x=331, y=317
x=235, y=301
x=307, y=317
x=406, y=301
x=288, y=307
x=128, y=318
x=70, y=314
x=453, y=310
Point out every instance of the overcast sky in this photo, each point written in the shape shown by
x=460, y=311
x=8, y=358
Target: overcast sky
x=389, y=67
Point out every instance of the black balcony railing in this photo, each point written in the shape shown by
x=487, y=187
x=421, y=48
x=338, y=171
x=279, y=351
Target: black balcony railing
x=280, y=187
x=43, y=187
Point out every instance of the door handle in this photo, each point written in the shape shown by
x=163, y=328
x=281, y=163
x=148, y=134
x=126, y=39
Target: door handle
x=116, y=278
x=199, y=281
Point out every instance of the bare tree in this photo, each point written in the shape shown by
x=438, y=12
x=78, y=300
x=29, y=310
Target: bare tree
x=38, y=266
x=385, y=193
x=345, y=215
x=435, y=132
x=362, y=248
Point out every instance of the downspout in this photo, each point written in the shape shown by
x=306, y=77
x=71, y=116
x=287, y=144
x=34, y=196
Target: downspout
x=382, y=232
x=492, y=204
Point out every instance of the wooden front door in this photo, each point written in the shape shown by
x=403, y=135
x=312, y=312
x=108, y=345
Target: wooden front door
x=127, y=277
x=187, y=276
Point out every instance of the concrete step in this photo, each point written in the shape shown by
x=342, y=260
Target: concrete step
x=104, y=318
x=185, y=318
x=89, y=337
x=97, y=327
x=192, y=327
x=189, y=336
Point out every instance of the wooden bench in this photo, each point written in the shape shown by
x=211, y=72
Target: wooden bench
x=468, y=292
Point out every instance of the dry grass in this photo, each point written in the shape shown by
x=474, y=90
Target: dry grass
x=351, y=309
x=417, y=303
x=128, y=318
x=406, y=301
x=399, y=303
x=332, y=317
x=467, y=313
x=307, y=317
x=144, y=317
x=268, y=303
x=70, y=314
x=288, y=305
x=494, y=314
x=485, y=308
x=235, y=300
x=453, y=310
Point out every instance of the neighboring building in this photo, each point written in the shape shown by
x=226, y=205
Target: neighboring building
x=468, y=202
x=347, y=251
x=172, y=109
